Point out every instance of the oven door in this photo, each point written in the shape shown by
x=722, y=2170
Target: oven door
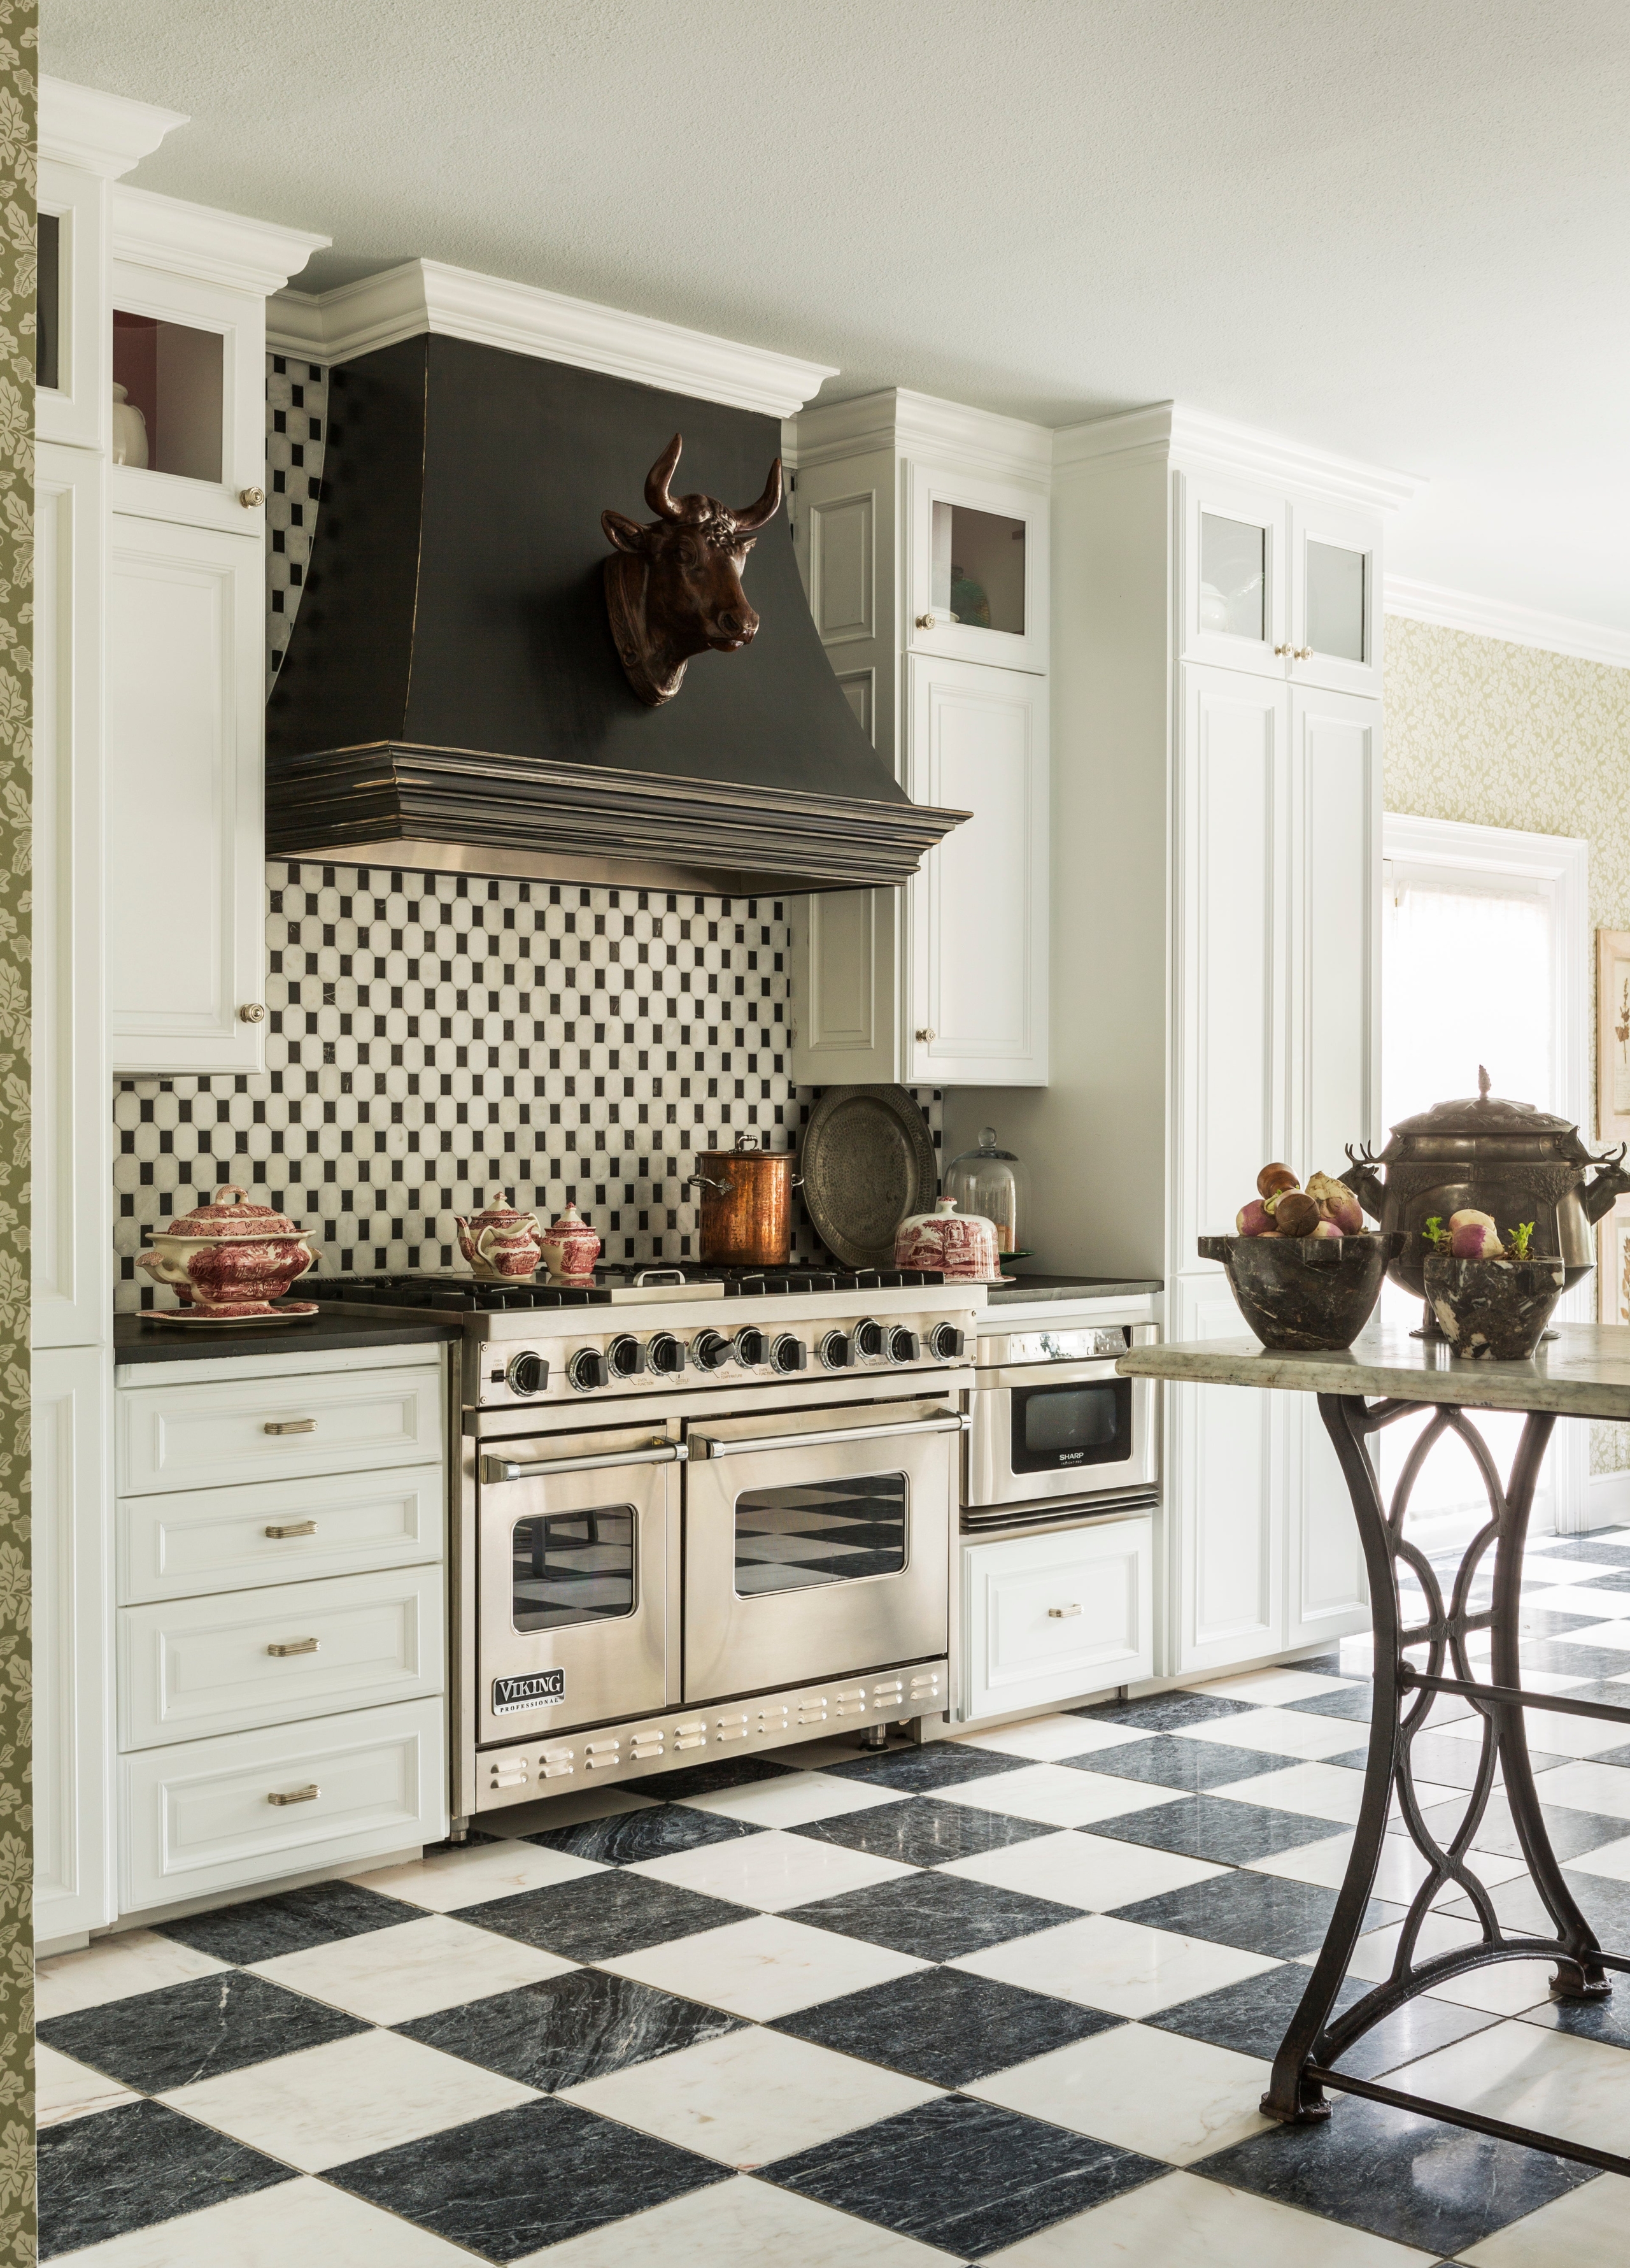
x=816, y=1546
x=1059, y=1429
x=577, y=1538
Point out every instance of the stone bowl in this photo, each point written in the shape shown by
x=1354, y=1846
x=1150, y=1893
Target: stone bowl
x=1302, y=1293
x=1496, y=1309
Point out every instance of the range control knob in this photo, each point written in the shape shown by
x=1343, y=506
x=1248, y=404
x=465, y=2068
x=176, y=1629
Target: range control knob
x=946, y=1342
x=903, y=1345
x=867, y=1340
x=588, y=1370
x=527, y=1374
x=625, y=1356
x=788, y=1353
x=752, y=1347
x=835, y=1350
x=666, y=1354
x=711, y=1348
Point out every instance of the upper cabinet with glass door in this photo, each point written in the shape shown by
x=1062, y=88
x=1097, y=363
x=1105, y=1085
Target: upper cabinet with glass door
x=1335, y=585
x=976, y=581
x=1283, y=588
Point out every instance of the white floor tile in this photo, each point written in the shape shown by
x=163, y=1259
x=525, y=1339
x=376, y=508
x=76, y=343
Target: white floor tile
x=1586, y=1786
x=751, y=2097
x=1549, y=1732
x=1585, y=2228
x=1613, y=1634
x=298, y=2219
x=1043, y=1739
x=1576, y=1597
x=1272, y=1687
x=1057, y=1795
x=1078, y=1869
x=1546, y=1573
x=741, y=2224
x=771, y=1871
x=1334, y=1791
x=1530, y=2075
x=390, y=1976
x=794, y=1800
x=1373, y=1955
x=1611, y=1861
x=1101, y=1963
x=113, y=1968
x=1400, y=1875
x=568, y=1810
x=327, y=2104
x=1505, y=1988
x=1186, y=2222
x=1281, y=1733
x=477, y=1873
x=764, y=1968
x=66, y=2089
x=1145, y=2090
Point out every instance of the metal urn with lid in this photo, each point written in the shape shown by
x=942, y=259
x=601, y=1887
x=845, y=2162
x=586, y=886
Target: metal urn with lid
x=1483, y=1153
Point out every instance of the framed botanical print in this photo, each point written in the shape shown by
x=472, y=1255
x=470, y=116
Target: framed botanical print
x=1613, y=1044
x=1613, y=1265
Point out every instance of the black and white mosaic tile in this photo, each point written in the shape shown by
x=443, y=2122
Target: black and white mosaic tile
x=297, y=425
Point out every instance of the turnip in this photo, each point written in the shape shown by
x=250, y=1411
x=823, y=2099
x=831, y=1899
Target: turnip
x=1475, y=1239
x=1296, y=1214
x=1326, y=1230
x=1255, y=1219
x=1273, y=1179
x=1465, y=1218
x=1337, y=1202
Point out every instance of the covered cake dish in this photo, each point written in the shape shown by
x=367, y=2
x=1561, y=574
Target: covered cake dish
x=229, y=1258
x=960, y=1244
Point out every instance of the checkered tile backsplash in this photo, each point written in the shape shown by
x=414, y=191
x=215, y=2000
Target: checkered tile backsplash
x=433, y=1036
x=297, y=421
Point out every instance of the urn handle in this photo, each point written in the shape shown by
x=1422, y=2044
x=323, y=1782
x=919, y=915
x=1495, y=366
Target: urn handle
x=1609, y=1182
x=1365, y=1183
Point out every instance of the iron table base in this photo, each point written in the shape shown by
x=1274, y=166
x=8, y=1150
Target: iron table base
x=1405, y=1689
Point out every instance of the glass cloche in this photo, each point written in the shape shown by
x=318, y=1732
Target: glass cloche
x=993, y=1182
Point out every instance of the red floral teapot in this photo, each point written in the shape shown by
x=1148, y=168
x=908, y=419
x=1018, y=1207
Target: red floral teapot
x=500, y=1243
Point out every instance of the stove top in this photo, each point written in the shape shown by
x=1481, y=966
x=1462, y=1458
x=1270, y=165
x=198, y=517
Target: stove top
x=613, y=1286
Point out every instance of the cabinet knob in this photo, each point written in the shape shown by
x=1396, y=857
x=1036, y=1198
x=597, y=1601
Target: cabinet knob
x=925, y=621
x=925, y=1031
x=252, y=1012
x=250, y=498
x=1061, y=1614
x=1302, y=653
x=1287, y=650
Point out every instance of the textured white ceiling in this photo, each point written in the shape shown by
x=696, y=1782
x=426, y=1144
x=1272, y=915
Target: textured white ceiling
x=1395, y=229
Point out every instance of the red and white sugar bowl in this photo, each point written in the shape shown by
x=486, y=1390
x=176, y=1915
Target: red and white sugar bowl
x=229, y=1258
x=500, y=1243
x=960, y=1244
x=571, y=1246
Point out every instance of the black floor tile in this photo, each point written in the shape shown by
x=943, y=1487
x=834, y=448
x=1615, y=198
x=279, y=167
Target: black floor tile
x=155, y=2040
x=320, y=1914
x=1250, y=2017
x=566, y=2029
x=1258, y=1913
x=1566, y=1660
x=1352, y=1701
x=1607, y=2021
x=1619, y=1583
x=131, y=2167
x=1164, y=1712
x=525, y=2178
x=1551, y=1622
x=709, y=1780
x=1572, y=1833
x=1597, y=1550
x=1619, y=1757
x=936, y=1917
x=1444, y=1760
x=945, y=2026
x=967, y=2176
x=1211, y=1827
x=921, y=1831
x=1604, y=1903
x=1416, y=2029
x=599, y=1916
x=917, y=1771
x=655, y=1832
x=1439, y=2188
x=1170, y=1760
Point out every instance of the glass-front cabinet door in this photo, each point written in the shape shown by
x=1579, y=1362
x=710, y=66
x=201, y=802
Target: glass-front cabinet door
x=976, y=581
x=189, y=436
x=1335, y=613
x=1233, y=596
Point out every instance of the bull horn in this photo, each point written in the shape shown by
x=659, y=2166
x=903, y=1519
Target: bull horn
x=656, y=481
x=769, y=503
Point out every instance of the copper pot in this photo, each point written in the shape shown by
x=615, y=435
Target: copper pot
x=747, y=1205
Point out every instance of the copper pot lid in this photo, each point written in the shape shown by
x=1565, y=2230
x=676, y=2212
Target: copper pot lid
x=748, y=1147
x=1483, y=1113
x=230, y=1214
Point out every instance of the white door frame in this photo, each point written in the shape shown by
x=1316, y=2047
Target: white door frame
x=1559, y=863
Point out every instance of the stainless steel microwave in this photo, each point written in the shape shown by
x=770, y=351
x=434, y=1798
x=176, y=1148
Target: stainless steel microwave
x=1051, y=1420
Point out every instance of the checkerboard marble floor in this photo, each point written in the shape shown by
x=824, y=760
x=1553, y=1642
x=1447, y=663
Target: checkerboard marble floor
x=1010, y=1997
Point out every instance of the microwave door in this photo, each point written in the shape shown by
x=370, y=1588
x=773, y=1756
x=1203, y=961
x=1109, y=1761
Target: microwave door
x=1059, y=1429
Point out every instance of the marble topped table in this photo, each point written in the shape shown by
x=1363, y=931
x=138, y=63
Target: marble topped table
x=1386, y=1374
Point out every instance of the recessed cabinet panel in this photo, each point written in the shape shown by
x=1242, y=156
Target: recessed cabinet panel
x=1335, y=944
x=72, y=395
x=48, y=313
x=846, y=986
x=1225, y=1489
x=1327, y=1589
x=1053, y=1617
x=841, y=569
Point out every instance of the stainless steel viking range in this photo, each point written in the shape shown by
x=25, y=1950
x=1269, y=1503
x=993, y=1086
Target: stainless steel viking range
x=699, y=1513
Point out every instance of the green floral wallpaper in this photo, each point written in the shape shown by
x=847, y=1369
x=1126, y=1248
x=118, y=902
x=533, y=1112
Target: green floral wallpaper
x=1510, y=736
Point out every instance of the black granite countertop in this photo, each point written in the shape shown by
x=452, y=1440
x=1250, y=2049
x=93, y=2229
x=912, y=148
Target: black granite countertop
x=140, y=1339
x=1071, y=1287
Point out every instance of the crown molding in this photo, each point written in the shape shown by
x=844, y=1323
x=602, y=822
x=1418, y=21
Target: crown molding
x=923, y=425
x=1193, y=436
x=1495, y=618
x=104, y=134
x=423, y=295
x=222, y=248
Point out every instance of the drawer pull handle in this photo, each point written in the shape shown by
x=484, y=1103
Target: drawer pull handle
x=295, y=1794
x=1061, y=1614
x=309, y=1644
x=295, y=1527
x=290, y=1426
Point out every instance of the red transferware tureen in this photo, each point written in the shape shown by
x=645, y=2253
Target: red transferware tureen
x=230, y=1258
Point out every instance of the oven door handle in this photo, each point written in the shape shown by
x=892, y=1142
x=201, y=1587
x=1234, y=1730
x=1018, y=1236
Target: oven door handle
x=505, y=1468
x=1091, y=1370
x=710, y=1445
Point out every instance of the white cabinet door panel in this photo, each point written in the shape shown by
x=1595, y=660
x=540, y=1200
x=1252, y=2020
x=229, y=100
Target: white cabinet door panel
x=1335, y=888
x=1231, y=574
x=1225, y=1497
x=845, y=987
x=1051, y=1618
x=978, y=741
x=1326, y=1591
x=186, y=822
x=1335, y=586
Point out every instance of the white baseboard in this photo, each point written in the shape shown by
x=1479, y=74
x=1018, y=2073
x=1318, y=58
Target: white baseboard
x=1607, y=1500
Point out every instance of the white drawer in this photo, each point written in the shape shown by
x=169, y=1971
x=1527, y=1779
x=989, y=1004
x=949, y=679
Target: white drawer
x=1048, y=1617
x=199, y=1817
x=191, y=1667
x=186, y=1437
x=180, y=1546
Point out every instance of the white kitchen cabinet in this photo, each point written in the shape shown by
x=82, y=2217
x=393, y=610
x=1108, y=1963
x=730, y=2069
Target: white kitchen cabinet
x=1335, y=627
x=892, y=493
x=1225, y=1501
x=1054, y=1615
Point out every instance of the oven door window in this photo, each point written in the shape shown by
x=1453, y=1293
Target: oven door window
x=838, y=1531
x=1055, y=1428
x=574, y=1567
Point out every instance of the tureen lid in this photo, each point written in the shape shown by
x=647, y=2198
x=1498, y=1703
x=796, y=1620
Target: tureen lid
x=1484, y=1112
x=231, y=1214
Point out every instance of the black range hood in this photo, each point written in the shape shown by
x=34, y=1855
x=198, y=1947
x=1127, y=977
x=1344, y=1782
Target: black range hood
x=451, y=697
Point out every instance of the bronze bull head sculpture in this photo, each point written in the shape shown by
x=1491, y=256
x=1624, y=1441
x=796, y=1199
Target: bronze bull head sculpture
x=673, y=587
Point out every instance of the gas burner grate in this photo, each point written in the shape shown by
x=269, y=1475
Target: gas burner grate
x=463, y=1294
